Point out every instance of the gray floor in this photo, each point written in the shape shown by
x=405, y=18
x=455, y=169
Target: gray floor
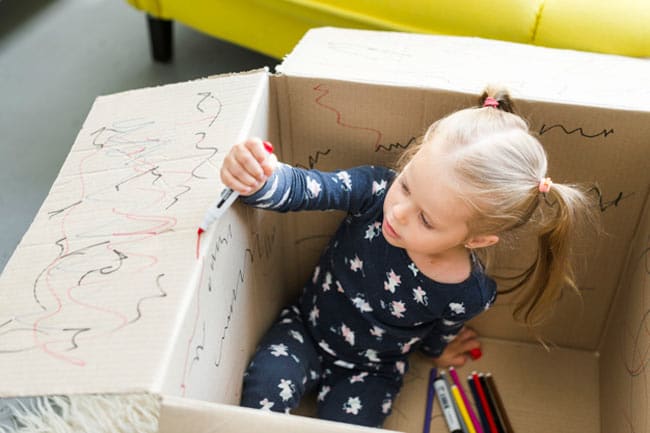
x=56, y=56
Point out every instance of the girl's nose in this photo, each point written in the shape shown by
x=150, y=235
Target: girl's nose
x=400, y=212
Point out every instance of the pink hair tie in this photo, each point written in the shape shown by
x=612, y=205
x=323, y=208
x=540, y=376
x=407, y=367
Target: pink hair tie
x=545, y=185
x=490, y=102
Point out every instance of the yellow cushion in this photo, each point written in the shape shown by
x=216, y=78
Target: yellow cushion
x=606, y=26
x=273, y=27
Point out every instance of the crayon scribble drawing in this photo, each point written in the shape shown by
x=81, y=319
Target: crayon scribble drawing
x=124, y=188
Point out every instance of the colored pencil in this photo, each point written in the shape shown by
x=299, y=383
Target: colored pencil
x=491, y=403
x=484, y=403
x=431, y=393
x=446, y=403
x=462, y=409
x=449, y=383
x=475, y=422
x=477, y=402
x=507, y=427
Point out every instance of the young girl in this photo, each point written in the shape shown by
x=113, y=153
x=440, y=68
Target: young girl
x=402, y=271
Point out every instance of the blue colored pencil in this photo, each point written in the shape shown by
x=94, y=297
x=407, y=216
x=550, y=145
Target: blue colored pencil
x=431, y=394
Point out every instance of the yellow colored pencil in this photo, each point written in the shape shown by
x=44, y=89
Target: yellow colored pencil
x=463, y=410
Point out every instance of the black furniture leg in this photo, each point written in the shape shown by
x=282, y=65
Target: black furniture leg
x=160, y=36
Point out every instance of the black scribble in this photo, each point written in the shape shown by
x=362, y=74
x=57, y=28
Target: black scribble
x=391, y=146
x=177, y=196
x=150, y=171
x=117, y=131
x=59, y=243
x=640, y=332
x=206, y=96
x=313, y=160
x=605, y=132
x=59, y=211
x=6, y=323
x=156, y=175
x=81, y=251
x=264, y=244
x=162, y=294
x=200, y=347
x=241, y=277
x=221, y=241
x=106, y=270
x=73, y=340
x=606, y=204
x=213, y=151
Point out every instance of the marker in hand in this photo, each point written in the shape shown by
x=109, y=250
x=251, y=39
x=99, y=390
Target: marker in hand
x=227, y=198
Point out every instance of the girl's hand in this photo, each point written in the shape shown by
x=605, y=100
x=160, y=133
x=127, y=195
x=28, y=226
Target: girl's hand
x=247, y=166
x=456, y=353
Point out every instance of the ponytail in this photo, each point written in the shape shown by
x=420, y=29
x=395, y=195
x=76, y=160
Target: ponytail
x=567, y=212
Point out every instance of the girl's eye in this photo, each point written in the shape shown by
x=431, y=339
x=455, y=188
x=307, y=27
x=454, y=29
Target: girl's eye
x=404, y=187
x=424, y=221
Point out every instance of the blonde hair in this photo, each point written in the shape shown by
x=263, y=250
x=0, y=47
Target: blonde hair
x=496, y=168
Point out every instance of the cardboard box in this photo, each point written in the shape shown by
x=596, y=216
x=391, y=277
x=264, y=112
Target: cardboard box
x=105, y=294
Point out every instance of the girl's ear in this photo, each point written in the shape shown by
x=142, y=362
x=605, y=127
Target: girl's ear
x=481, y=241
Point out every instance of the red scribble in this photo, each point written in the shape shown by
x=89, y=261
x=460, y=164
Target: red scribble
x=324, y=92
x=199, y=232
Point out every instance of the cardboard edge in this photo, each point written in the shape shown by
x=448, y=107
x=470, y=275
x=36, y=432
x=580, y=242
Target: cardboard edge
x=178, y=415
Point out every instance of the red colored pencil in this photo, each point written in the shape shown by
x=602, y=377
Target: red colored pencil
x=484, y=403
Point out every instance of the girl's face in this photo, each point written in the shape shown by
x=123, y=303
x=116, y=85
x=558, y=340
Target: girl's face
x=421, y=213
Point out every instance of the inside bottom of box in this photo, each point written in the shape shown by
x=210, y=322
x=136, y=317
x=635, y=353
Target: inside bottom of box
x=541, y=391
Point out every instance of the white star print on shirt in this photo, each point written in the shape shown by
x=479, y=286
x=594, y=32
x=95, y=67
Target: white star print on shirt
x=373, y=230
x=348, y=334
x=457, y=307
x=344, y=176
x=313, y=315
x=359, y=377
x=353, y=405
x=266, y=404
x=314, y=187
x=356, y=264
x=278, y=350
x=371, y=354
x=326, y=347
x=297, y=336
x=420, y=296
x=378, y=187
x=386, y=405
x=397, y=309
x=323, y=392
x=328, y=281
x=448, y=338
x=286, y=386
x=393, y=281
x=414, y=269
x=378, y=332
x=361, y=304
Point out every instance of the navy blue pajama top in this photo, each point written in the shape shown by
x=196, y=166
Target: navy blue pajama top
x=367, y=304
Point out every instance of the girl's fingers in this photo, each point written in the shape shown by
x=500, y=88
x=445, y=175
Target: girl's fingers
x=256, y=147
x=235, y=184
x=270, y=164
x=248, y=165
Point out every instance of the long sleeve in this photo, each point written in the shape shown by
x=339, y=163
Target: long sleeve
x=293, y=189
x=457, y=312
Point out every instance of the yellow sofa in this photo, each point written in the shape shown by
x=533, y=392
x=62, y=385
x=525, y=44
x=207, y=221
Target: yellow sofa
x=273, y=27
